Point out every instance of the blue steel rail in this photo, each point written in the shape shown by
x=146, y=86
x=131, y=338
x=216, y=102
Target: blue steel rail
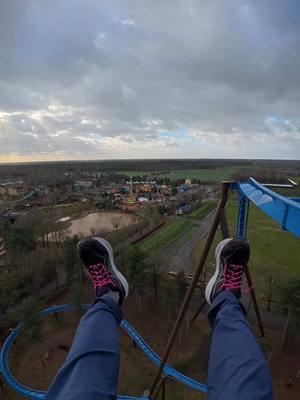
x=25, y=391
x=283, y=210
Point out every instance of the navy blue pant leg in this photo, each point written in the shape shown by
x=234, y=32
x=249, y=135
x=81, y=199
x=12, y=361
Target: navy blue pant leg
x=237, y=368
x=91, y=369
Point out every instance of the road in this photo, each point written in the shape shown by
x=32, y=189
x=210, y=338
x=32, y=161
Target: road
x=179, y=253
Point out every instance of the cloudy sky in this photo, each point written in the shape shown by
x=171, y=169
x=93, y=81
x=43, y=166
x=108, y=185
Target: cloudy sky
x=99, y=79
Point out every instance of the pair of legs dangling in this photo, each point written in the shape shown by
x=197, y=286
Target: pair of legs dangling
x=237, y=369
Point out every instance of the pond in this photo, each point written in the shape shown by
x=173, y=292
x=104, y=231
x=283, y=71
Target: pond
x=100, y=222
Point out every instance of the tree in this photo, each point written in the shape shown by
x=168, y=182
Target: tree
x=170, y=297
x=78, y=294
x=46, y=225
x=27, y=313
x=71, y=262
x=156, y=277
x=43, y=266
x=134, y=260
x=155, y=215
x=9, y=290
x=18, y=282
x=155, y=265
x=181, y=285
x=271, y=280
x=29, y=272
x=20, y=239
x=290, y=300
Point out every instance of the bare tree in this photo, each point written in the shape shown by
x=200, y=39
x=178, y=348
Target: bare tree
x=271, y=280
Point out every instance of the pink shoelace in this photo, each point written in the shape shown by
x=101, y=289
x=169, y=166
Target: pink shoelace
x=100, y=276
x=232, y=277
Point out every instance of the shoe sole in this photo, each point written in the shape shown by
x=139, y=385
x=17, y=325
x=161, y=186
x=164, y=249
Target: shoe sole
x=109, y=249
x=213, y=279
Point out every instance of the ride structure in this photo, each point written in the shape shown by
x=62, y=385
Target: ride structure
x=285, y=211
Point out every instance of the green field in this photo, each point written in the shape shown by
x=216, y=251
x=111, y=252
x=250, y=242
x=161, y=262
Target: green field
x=165, y=236
x=205, y=175
x=296, y=179
x=273, y=252
x=294, y=192
x=203, y=211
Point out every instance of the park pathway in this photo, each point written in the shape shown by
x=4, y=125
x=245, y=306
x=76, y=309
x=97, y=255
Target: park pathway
x=178, y=255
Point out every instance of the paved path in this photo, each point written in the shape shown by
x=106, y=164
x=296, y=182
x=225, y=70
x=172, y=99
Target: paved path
x=179, y=253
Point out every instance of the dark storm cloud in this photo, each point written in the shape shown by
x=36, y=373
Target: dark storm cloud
x=134, y=68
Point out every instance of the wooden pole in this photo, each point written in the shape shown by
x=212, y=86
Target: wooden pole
x=163, y=388
x=224, y=224
x=255, y=304
x=224, y=195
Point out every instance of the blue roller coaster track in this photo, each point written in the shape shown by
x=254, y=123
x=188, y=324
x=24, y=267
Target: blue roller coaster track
x=285, y=211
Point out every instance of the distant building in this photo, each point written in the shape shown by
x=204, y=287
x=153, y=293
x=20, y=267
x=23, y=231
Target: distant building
x=142, y=199
x=183, y=208
x=84, y=184
x=183, y=188
x=165, y=189
x=140, y=186
x=124, y=190
x=11, y=189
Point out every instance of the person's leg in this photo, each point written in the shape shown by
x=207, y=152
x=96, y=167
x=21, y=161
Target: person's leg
x=91, y=369
x=237, y=368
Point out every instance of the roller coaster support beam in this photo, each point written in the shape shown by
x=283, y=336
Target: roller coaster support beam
x=241, y=228
x=255, y=304
x=163, y=388
x=154, y=391
x=223, y=223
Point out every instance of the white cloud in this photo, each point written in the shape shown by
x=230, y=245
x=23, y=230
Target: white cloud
x=127, y=22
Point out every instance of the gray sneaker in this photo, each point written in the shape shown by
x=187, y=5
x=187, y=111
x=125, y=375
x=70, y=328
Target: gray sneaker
x=97, y=256
x=231, y=257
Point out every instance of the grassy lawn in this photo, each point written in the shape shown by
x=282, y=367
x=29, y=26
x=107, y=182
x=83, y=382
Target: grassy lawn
x=203, y=211
x=165, y=236
x=137, y=173
x=205, y=175
x=294, y=192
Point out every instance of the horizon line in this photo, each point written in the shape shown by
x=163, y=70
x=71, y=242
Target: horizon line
x=144, y=159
